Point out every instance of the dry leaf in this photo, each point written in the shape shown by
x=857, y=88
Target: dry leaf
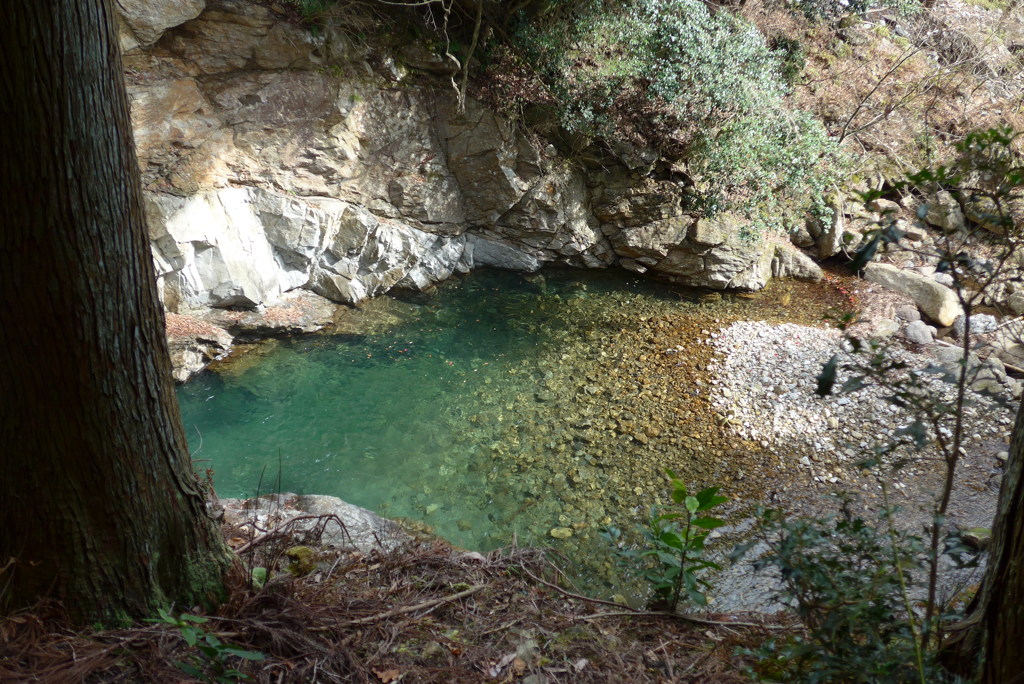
x=519, y=666
x=386, y=676
x=500, y=665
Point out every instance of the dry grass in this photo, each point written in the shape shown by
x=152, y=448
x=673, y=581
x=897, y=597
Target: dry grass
x=887, y=96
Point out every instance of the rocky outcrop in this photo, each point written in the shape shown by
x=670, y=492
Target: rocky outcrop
x=194, y=344
x=275, y=160
x=142, y=22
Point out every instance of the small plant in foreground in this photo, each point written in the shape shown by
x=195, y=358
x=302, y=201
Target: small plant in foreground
x=210, y=664
x=675, y=546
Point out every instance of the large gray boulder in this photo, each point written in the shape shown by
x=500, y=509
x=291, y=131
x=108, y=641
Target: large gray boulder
x=718, y=254
x=350, y=526
x=936, y=301
x=792, y=263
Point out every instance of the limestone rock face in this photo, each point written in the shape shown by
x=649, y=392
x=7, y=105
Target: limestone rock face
x=275, y=160
x=246, y=247
x=935, y=300
x=145, y=20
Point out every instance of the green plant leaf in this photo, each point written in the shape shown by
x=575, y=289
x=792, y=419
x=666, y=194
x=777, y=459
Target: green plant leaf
x=707, y=523
x=190, y=635
x=242, y=653
x=190, y=670
x=708, y=499
x=691, y=504
x=671, y=539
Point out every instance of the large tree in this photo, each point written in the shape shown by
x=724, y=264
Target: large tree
x=1000, y=614
x=99, y=506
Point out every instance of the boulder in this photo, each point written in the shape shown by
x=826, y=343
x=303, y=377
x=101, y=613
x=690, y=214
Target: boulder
x=830, y=235
x=944, y=211
x=793, y=263
x=1016, y=302
x=986, y=213
x=919, y=332
x=193, y=344
x=908, y=313
x=353, y=527
x=936, y=301
x=980, y=324
x=719, y=255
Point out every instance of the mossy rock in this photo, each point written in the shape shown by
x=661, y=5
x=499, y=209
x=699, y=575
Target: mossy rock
x=302, y=560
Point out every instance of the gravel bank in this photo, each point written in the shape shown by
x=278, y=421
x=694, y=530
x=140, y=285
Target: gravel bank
x=763, y=382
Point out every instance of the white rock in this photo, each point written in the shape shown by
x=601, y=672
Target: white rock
x=936, y=301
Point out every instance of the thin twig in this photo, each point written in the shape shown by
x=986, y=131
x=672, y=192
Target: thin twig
x=279, y=530
x=409, y=609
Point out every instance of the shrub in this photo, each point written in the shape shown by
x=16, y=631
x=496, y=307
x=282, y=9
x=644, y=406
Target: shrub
x=696, y=86
x=849, y=582
x=672, y=557
x=834, y=9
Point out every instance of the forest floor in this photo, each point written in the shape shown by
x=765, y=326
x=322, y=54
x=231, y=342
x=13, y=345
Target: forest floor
x=426, y=613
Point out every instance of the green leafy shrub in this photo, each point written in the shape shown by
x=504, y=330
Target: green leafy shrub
x=696, y=86
x=849, y=583
x=672, y=559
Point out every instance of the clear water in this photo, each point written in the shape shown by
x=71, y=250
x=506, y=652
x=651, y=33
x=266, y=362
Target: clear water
x=437, y=419
x=499, y=408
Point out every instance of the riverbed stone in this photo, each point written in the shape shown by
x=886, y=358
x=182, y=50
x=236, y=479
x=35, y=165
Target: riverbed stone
x=980, y=324
x=908, y=313
x=936, y=301
x=919, y=332
x=944, y=211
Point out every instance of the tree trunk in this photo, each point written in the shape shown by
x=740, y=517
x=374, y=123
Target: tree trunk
x=99, y=506
x=1001, y=609
x=986, y=646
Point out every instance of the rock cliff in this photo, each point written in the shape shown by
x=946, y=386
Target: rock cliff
x=274, y=159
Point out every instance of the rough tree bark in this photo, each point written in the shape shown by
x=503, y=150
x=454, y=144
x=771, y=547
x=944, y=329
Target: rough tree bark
x=999, y=616
x=99, y=506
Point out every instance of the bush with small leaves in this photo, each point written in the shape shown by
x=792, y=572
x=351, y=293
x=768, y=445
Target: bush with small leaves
x=701, y=87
